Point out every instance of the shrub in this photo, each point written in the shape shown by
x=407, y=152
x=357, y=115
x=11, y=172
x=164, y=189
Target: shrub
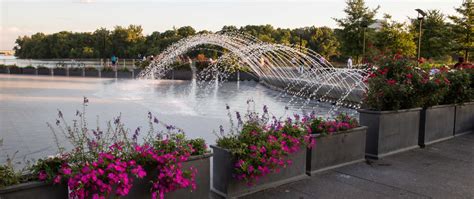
x=107, y=69
x=42, y=67
x=434, y=88
x=393, y=84
x=90, y=68
x=262, y=147
x=460, y=89
x=342, y=122
x=29, y=67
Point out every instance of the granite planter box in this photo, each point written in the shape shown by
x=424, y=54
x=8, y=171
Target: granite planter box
x=91, y=73
x=59, y=72
x=390, y=132
x=124, y=74
x=336, y=150
x=34, y=190
x=77, y=72
x=29, y=71
x=179, y=74
x=141, y=187
x=436, y=124
x=44, y=71
x=3, y=70
x=107, y=74
x=464, y=122
x=225, y=185
x=15, y=70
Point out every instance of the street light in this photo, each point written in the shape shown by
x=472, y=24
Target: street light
x=421, y=16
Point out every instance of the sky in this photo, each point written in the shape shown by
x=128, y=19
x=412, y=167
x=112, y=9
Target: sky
x=26, y=17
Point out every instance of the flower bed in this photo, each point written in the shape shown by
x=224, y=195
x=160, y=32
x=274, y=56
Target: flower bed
x=113, y=163
x=339, y=142
x=261, y=155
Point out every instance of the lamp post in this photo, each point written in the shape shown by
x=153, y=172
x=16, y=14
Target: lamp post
x=421, y=16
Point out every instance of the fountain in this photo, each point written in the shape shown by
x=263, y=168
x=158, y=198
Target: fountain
x=299, y=72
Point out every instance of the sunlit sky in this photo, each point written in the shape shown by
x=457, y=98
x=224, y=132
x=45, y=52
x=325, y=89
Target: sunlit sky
x=26, y=17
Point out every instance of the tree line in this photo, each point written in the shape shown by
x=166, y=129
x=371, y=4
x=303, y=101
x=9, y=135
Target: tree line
x=359, y=33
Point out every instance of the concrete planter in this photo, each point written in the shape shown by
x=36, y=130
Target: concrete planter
x=44, y=71
x=107, y=74
x=464, y=118
x=436, y=124
x=3, y=70
x=179, y=74
x=336, y=150
x=390, y=132
x=123, y=74
x=91, y=73
x=225, y=185
x=34, y=190
x=59, y=72
x=29, y=71
x=15, y=70
x=141, y=187
x=76, y=72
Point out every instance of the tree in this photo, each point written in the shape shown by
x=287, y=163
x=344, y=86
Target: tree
x=352, y=33
x=324, y=42
x=393, y=37
x=463, y=28
x=436, y=36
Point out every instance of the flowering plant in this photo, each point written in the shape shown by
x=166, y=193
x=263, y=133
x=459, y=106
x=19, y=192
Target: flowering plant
x=342, y=122
x=434, y=87
x=262, y=146
x=105, y=163
x=460, y=88
x=393, y=83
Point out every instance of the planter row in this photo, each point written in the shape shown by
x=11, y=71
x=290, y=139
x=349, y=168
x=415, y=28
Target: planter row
x=75, y=72
x=390, y=132
x=387, y=132
x=177, y=74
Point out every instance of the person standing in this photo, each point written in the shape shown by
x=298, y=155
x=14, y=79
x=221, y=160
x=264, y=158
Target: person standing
x=349, y=63
x=114, y=60
x=460, y=63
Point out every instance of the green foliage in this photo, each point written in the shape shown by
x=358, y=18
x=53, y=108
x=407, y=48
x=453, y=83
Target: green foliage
x=463, y=29
x=8, y=176
x=460, y=89
x=393, y=85
x=436, y=38
x=51, y=166
x=352, y=32
x=434, y=88
x=393, y=38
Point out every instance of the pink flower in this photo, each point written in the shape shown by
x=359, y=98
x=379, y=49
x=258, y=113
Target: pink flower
x=42, y=175
x=57, y=179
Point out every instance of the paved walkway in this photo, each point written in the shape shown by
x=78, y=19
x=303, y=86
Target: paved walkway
x=442, y=170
